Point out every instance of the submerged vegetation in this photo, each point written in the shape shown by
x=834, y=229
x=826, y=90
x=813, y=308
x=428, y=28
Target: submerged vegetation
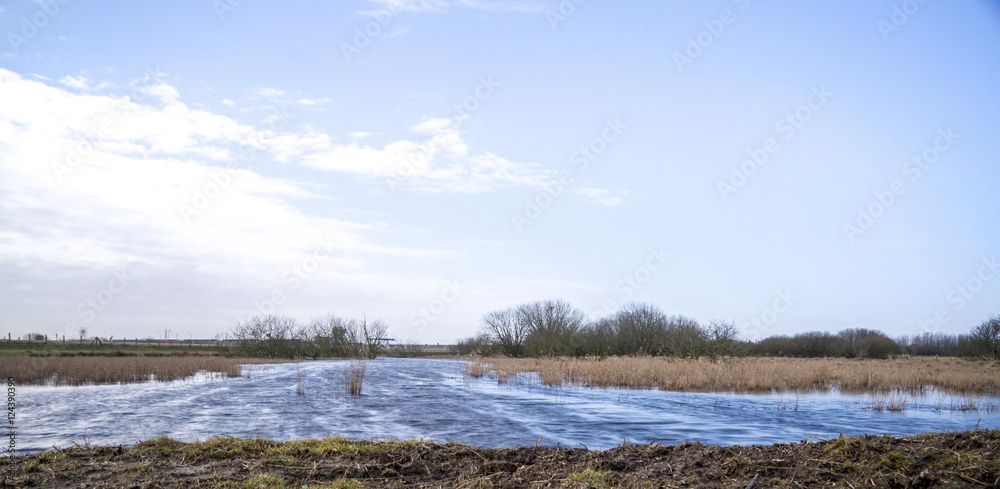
x=955, y=459
x=913, y=375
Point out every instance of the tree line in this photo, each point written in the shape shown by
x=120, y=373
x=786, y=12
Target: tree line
x=274, y=336
x=556, y=328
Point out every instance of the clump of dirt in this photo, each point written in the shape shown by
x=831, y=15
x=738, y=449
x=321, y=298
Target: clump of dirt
x=966, y=459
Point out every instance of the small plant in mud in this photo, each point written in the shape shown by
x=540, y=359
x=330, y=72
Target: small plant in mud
x=895, y=460
x=594, y=478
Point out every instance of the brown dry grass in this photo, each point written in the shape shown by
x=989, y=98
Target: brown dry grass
x=354, y=377
x=79, y=370
x=751, y=374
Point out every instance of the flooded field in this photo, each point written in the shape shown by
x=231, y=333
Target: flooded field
x=431, y=398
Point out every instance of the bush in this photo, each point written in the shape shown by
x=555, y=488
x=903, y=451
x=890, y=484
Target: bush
x=803, y=345
x=867, y=343
x=477, y=345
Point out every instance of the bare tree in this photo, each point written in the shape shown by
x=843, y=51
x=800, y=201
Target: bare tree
x=986, y=337
x=551, y=325
x=375, y=334
x=505, y=329
x=640, y=329
x=334, y=336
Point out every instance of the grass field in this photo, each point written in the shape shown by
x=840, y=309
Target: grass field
x=80, y=370
x=59, y=348
x=950, y=459
x=752, y=374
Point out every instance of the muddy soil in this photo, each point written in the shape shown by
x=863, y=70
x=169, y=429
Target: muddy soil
x=967, y=459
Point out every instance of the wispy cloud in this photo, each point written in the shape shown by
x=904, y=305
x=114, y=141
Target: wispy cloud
x=599, y=196
x=82, y=82
x=524, y=6
x=436, y=160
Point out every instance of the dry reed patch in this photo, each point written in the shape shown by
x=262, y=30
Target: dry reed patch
x=354, y=377
x=80, y=370
x=912, y=375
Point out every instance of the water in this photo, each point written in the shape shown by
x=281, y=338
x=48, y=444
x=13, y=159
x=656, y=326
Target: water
x=415, y=398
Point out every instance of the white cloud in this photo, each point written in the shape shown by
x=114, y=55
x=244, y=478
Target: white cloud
x=439, y=161
x=81, y=82
x=599, y=196
x=311, y=102
x=228, y=102
x=120, y=202
x=359, y=134
x=271, y=93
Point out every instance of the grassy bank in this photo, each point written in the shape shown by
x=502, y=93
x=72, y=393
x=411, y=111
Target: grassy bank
x=79, y=370
x=752, y=374
x=954, y=459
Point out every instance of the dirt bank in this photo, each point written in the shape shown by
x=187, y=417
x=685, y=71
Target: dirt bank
x=968, y=459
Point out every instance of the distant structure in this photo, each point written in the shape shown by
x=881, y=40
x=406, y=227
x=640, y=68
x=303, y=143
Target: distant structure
x=33, y=337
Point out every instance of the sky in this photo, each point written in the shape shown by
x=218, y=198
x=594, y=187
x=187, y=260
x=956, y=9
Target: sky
x=174, y=168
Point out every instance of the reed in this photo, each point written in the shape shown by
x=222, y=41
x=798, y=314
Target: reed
x=912, y=375
x=81, y=370
x=354, y=377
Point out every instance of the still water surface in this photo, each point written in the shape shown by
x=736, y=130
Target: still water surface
x=414, y=398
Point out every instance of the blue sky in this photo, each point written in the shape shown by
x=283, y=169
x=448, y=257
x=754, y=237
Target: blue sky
x=788, y=166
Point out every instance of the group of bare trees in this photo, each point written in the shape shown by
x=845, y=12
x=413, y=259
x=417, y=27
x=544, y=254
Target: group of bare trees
x=849, y=343
x=273, y=336
x=554, y=327
x=982, y=342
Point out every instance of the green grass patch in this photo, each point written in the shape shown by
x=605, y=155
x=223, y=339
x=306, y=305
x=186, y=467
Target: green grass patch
x=594, y=478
